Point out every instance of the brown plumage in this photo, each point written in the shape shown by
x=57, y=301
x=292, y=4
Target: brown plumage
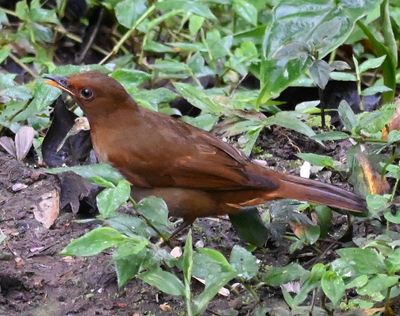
x=194, y=172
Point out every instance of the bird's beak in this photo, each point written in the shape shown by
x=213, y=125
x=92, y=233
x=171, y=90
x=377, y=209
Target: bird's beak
x=58, y=82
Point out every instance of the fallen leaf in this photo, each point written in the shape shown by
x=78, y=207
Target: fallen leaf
x=49, y=208
x=8, y=145
x=376, y=183
x=165, y=307
x=23, y=141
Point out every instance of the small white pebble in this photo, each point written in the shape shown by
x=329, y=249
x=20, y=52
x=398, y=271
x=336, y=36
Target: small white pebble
x=18, y=187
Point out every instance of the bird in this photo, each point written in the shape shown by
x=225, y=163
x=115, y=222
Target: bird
x=194, y=172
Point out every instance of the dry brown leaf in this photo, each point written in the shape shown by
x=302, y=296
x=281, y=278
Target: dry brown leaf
x=23, y=141
x=376, y=183
x=49, y=208
x=165, y=307
x=8, y=144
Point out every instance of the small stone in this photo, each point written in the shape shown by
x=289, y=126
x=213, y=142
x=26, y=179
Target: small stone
x=18, y=187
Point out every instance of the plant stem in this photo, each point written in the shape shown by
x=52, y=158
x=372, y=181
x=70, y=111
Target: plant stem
x=128, y=34
x=251, y=291
x=23, y=66
x=148, y=222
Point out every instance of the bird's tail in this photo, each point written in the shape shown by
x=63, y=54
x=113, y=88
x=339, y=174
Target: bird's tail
x=293, y=187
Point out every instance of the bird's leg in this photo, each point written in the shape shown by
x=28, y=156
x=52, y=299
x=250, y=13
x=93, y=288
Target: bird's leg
x=179, y=229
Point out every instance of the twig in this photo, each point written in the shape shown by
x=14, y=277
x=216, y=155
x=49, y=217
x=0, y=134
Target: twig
x=91, y=38
x=128, y=34
x=23, y=66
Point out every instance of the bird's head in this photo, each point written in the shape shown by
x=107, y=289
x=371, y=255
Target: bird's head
x=93, y=91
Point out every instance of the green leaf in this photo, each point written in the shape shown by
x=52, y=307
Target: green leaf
x=333, y=286
x=91, y=172
x=197, y=98
x=377, y=203
x=129, y=11
x=130, y=77
x=314, y=28
x=187, y=266
x=213, y=267
x=4, y=52
x=94, y=242
x=243, y=262
x=329, y=136
x=358, y=261
x=155, y=210
x=379, y=283
x=217, y=257
x=317, y=160
x=342, y=76
x=371, y=63
x=375, y=89
x=320, y=72
x=276, y=276
x=195, y=24
x=127, y=268
x=347, y=115
x=195, y=7
x=289, y=120
x=164, y=281
x=246, y=10
x=110, y=199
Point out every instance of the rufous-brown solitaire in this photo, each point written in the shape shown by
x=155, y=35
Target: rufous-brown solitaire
x=195, y=173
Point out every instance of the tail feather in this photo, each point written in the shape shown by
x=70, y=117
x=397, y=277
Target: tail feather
x=302, y=189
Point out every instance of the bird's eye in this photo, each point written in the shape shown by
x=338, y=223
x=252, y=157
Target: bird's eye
x=86, y=93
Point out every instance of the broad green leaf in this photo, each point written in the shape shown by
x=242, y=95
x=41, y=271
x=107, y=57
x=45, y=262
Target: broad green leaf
x=379, y=283
x=110, y=199
x=94, y=242
x=276, y=276
x=217, y=258
x=152, y=99
x=289, y=120
x=197, y=98
x=377, y=203
x=359, y=261
x=246, y=10
x=91, y=171
x=375, y=89
x=333, y=286
x=317, y=26
x=127, y=268
x=371, y=63
x=318, y=160
x=195, y=24
x=347, y=115
x=129, y=11
x=130, y=77
x=342, y=76
x=243, y=262
x=312, y=281
x=320, y=71
x=164, y=281
x=195, y=7
x=329, y=136
x=155, y=210
x=4, y=52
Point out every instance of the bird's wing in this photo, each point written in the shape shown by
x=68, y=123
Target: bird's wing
x=210, y=163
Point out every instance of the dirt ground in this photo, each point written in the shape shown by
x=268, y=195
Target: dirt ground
x=36, y=280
